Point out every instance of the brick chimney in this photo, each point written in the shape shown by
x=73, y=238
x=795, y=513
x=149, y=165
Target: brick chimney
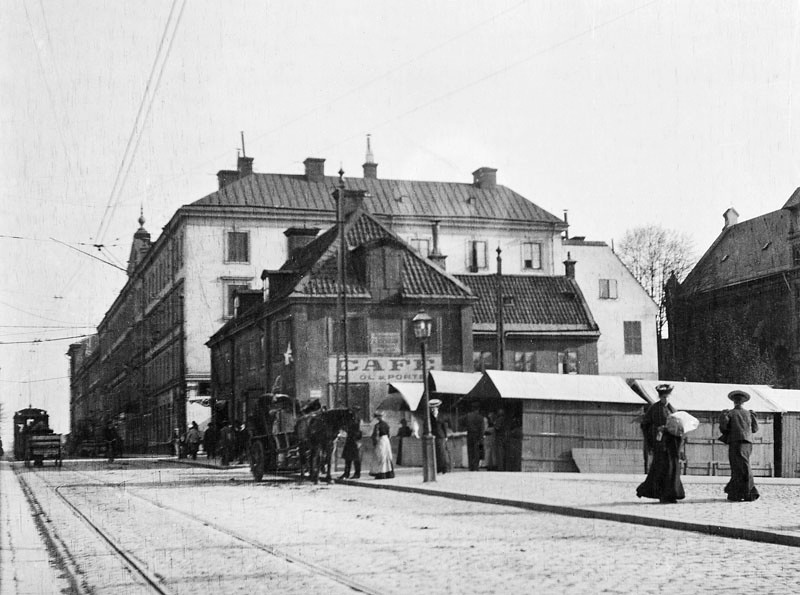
x=226, y=176
x=569, y=267
x=370, y=167
x=485, y=178
x=315, y=169
x=435, y=256
x=731, y=218
x=353, y=199
x=299, y=237
x=245, y=166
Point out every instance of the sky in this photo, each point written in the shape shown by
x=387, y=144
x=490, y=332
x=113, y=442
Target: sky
x=624, y=113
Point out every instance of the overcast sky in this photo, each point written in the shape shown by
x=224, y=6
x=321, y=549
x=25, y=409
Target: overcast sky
x=623, y=112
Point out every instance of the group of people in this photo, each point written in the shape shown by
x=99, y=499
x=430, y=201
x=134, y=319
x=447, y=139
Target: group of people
x=229, y=442
x=663, y=481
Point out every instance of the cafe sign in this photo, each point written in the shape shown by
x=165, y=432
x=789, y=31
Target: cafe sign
x=380, y=369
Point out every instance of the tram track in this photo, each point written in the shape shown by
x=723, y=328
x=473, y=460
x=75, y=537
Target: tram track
x=153, y=581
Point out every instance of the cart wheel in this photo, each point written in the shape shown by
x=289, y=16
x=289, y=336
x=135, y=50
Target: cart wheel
x=257, y=460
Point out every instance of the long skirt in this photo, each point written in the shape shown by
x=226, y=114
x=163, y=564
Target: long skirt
x=663, y=481
x=382, y=466
x=741, y=487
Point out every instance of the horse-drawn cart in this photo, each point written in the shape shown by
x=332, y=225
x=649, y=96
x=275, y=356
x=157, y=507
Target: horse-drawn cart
x=40, y=447
x=273, y=442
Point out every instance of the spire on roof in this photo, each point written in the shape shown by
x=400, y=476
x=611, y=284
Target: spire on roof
x=370, y=157
x=370, y=167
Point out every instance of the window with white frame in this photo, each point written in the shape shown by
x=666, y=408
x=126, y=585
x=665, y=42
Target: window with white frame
x=531, y=256
x=238, y=246
x=632, y=330
x=608, y=289
x=421, y=245
x=476, y=256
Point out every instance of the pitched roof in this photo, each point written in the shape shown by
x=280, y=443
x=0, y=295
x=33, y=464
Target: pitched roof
x=313, y=270
x=743, y=252
x=540, y=303
x=386, y=197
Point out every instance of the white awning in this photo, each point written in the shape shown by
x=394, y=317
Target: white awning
x=453, y=383
x=402, y=395
x=555, y=387
x=707, y=396
x=785, y=399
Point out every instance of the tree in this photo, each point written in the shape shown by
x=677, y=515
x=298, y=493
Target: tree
x=653, y=253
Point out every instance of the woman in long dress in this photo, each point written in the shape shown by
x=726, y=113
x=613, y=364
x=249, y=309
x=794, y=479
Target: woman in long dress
x=663, y=480
x=382, y=466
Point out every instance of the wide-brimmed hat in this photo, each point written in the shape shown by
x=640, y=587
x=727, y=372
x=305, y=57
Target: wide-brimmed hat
x=434, y=403
x=738, y=395
x=664, y=388
x=378, y=414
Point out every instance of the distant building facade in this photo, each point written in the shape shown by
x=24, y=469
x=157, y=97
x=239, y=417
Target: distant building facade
x=735, y=318
x=151, y=358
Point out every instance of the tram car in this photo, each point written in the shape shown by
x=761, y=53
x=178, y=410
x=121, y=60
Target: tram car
x=34, y=440
x=273, y=443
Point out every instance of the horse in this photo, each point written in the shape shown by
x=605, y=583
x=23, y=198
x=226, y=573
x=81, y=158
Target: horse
x=316, y=434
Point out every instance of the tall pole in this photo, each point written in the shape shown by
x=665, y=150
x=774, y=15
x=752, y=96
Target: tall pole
x=342, y=293
x=501, y=347
x=428, y=452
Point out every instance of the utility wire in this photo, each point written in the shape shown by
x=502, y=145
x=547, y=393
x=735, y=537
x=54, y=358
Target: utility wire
x=36, y=380
x=90, y=255
x=43, y=340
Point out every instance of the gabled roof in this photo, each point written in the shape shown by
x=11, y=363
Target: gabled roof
x=744, y=252
x=705, y=396
x=540, y=304
x=313, y=270
x=432, y=200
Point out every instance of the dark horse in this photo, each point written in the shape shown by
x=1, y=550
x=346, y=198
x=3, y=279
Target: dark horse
x=316, y=434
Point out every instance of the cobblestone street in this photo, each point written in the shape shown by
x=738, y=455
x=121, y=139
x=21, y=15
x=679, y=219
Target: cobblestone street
x=395, y=539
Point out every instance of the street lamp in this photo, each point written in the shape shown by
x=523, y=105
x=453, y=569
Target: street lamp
x=423, y=324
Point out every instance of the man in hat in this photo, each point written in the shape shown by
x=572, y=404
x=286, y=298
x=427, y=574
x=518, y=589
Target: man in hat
x=663, y=480
x=739, y=425
x=439, y=431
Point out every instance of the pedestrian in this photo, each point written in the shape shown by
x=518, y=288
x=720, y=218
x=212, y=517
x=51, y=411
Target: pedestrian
x=488, y=443
x=500, y=443
x=439, y=431
x=476, y=426
x=193, y=438
x=242, y=438
x=111, y=438
x=176, y=442
x=210, y=441
x=738, y=426
x=226, y=443
x=404, y=431
x=382, y=466
x=351, y=452
x=663, y=480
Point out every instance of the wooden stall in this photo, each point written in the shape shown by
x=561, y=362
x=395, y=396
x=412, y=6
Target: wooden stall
x=705, y=454
x=787, y=430
x=568, y=423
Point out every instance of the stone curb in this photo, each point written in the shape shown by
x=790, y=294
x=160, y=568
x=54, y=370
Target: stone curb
x=756, y=535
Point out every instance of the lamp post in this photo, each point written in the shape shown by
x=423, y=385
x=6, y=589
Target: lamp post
x=423, y=324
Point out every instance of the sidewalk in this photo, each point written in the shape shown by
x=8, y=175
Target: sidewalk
x=774, y=518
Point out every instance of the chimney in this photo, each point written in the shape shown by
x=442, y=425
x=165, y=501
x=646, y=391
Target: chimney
x=435, y=256
x=226, y=176
x=315, y=169
x=299, y=237
x=485, y=178
x=353, y=199
x=731, y=218
x=245, y=166
x=370, y=167
x=569, y=267
x=566, y=220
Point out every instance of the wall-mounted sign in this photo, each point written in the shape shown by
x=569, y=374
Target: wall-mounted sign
x=381, y=369
x=385, y=343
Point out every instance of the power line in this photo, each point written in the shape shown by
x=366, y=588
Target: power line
x=36, y=380
x=43, y=340
x=90, y=255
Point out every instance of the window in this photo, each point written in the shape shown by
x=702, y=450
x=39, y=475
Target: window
x=357, y=338
x=230, y=297
x=421, y=246
x=482, y=361
x=608, y=289
x=524, y=361
x=238, y=246
x=568, y=362
x=477, y=256
x=531, y=256
x=633, y=337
